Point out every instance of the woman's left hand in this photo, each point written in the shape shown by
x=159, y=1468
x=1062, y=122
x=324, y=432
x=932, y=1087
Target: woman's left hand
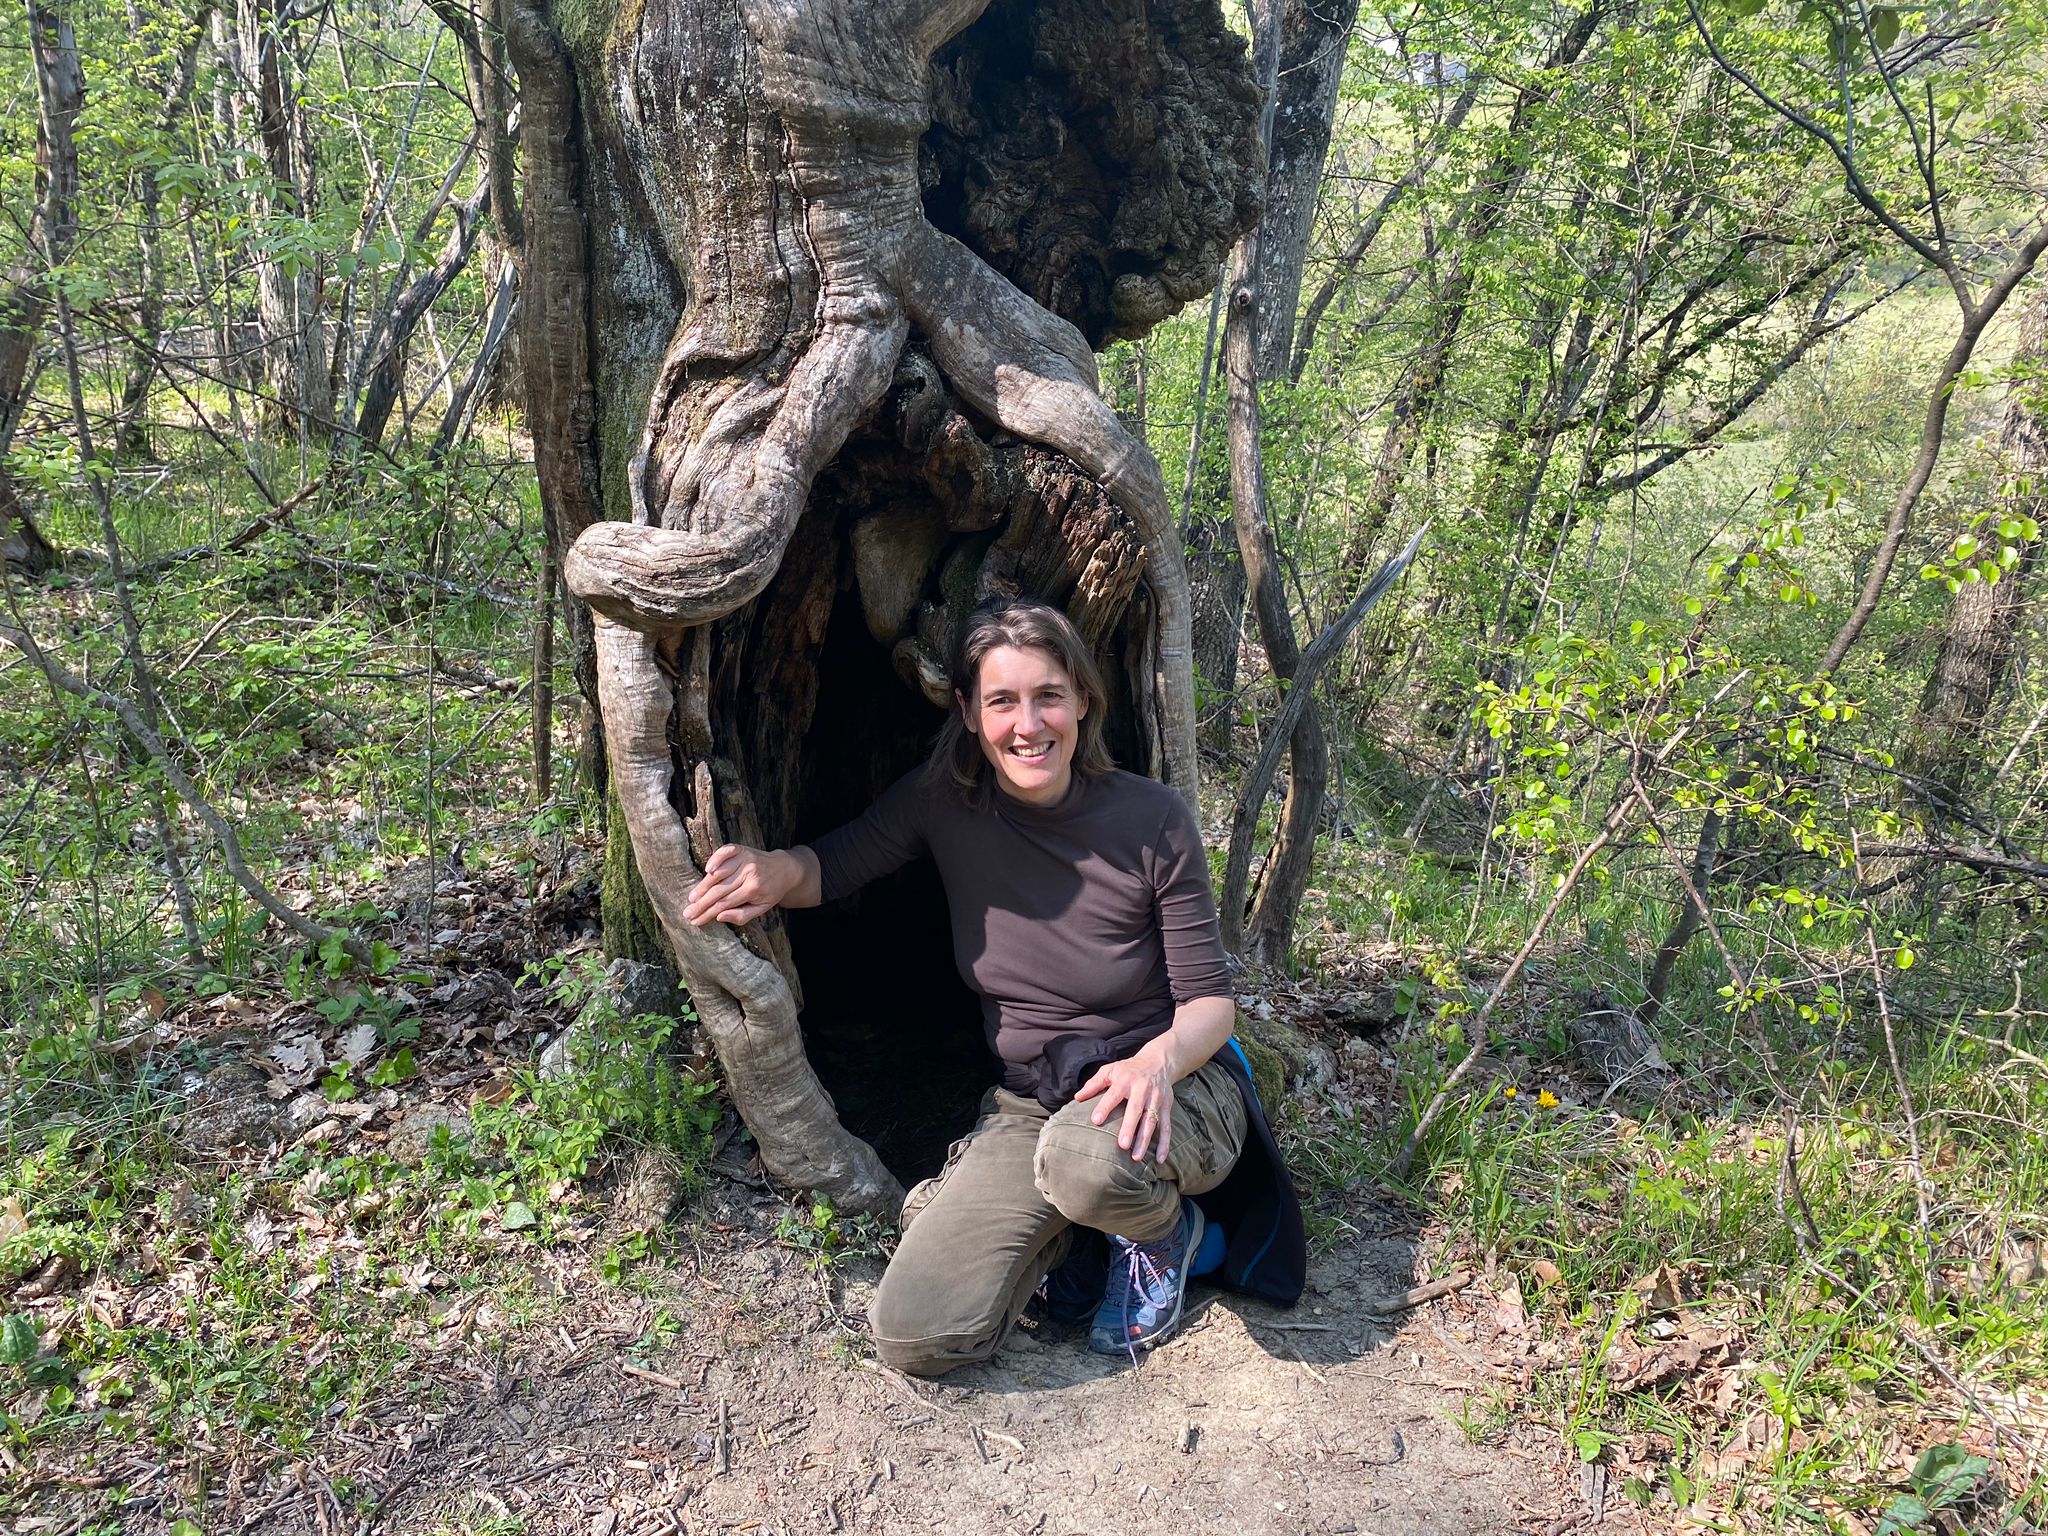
x=1144, y=1086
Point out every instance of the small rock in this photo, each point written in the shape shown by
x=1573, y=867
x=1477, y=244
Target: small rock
x=413, y=1135
x=649, y=1193
x=230, y=1108
x=606, y=1522
x=640, y=988
x=631, y=988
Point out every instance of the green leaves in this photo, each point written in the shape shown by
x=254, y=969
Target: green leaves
x=1943, y=1477
x=19, y=1339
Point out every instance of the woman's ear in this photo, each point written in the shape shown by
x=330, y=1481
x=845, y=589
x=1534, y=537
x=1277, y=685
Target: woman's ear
x=966, y=712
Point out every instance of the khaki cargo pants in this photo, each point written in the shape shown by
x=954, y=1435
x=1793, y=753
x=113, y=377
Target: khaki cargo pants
x=978, y=1238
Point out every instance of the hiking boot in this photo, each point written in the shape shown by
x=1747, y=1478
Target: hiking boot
x=1148, y=1285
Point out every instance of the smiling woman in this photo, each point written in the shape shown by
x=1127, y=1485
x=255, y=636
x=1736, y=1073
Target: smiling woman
x=1081, y=914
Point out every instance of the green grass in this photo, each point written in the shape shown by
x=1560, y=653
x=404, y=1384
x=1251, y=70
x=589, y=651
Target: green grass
x=254, y=1308
x=1585, y=1203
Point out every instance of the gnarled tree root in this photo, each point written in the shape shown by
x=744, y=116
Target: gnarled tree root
x=742, y=999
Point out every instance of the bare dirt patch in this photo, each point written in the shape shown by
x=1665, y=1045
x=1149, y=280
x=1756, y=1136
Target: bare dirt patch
x=762, y=1410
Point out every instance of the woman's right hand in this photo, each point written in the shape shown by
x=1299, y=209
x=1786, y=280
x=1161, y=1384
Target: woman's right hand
x=741, y=883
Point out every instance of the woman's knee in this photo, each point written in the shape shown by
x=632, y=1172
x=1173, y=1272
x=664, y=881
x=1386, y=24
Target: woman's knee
x=1088, y=1178
x=910, y=1326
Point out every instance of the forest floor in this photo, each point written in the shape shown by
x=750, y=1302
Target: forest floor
x=326, y=1255
x=306, y=1318
x=760, y=1409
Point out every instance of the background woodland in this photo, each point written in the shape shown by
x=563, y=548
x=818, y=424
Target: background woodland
x=1645, y=886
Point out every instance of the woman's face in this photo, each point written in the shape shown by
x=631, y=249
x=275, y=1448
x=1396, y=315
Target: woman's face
x=1026, y=713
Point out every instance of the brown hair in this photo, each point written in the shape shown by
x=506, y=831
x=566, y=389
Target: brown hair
x=1028, y=624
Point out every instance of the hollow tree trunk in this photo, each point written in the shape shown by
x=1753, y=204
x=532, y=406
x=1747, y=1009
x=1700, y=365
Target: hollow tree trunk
x=809, y=295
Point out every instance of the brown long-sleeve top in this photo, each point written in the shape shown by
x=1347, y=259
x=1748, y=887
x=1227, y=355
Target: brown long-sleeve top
x=1093, y=916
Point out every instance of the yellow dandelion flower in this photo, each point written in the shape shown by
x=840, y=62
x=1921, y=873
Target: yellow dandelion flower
x=1510, y=1091
x=1546, y=1099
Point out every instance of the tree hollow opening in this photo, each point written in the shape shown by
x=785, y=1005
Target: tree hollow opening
x=892, y=1031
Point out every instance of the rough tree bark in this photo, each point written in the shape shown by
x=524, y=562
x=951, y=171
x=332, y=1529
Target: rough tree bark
x=295, y=363
x=1959, y=705
x=53, y=228
x=809, y=293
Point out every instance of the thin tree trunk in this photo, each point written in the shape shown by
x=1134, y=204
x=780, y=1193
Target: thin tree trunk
x=1314, y=39
x=544, y=683
x=22, y=545
x=288, y=304
x=393, y=337
x=1266, y=938
x=1508, y=169
x=1362, y=238
x=53, y=223
x=1215, y=574
x=498, y=329
x=131, y=416
x=53, y=228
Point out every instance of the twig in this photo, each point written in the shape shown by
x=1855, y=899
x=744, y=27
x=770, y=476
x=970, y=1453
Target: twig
x=1804, y=1232
x=1415, y=1296
x=1616, y=818
x=407, y=578
x=1891, y=1050
x=153, y=744
x=243, y=536
x=722, y=1447
x=642, y=1373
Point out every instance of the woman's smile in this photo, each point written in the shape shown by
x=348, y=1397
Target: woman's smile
x=1026, y=713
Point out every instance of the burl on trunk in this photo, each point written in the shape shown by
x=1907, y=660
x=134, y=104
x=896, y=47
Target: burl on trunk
x=813, y=291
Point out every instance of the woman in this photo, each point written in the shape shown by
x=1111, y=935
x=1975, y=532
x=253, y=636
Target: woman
x=1082, y=914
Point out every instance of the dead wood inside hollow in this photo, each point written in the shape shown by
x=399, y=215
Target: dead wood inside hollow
x=815, y=396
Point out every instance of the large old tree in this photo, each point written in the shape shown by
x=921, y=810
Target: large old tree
x=812, y=292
